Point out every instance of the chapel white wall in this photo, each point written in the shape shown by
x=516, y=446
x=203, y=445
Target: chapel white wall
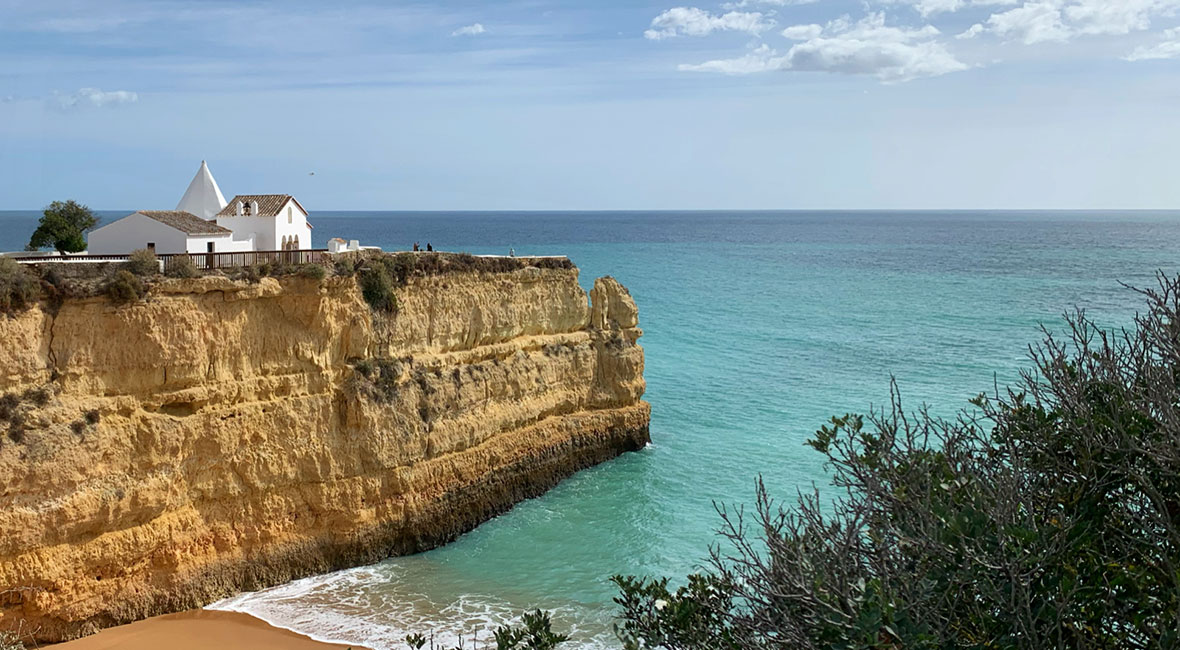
x=296, y=227
x=133, y=232
x=221, y=244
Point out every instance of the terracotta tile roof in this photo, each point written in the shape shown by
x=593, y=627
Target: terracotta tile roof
x=268, y=204
x=185, y=222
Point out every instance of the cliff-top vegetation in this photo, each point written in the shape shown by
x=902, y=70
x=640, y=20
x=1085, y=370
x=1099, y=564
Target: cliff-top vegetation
x=378, y=274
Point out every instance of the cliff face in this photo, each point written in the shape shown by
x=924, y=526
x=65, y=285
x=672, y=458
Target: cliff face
x=224, y=436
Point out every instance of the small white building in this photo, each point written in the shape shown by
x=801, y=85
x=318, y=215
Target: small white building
x=204, y=222
x=275, y=222
x=164, y=231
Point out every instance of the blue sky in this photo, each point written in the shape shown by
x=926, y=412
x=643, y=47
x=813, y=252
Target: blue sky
x=604, y=104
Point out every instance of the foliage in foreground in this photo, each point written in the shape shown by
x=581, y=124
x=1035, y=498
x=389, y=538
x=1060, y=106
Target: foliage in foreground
x=62, y=227
x=1046, y=517
x=534, y=633
x=1049, y=517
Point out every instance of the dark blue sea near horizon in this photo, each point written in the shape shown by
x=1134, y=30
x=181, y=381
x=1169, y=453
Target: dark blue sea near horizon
x=758, y=326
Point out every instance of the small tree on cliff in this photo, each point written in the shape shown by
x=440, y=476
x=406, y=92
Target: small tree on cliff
x=1049, y=517
x=63, y=226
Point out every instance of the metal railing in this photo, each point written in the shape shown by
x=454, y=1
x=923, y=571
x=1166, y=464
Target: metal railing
x=209, y=261
x=203, y=261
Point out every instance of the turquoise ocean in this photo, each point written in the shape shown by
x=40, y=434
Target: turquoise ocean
x=758, y=326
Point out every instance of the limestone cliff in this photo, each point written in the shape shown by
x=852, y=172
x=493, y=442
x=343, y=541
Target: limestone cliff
x=224, y=436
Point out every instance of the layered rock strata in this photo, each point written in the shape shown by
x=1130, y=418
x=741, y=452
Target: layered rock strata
x=223, y=436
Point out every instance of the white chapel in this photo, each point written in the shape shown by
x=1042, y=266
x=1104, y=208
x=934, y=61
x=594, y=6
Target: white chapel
x=204, y=222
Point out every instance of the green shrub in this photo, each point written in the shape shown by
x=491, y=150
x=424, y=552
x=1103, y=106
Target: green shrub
x=377, y=289
x=92, y=417
x=19, y=288
x=125, y=288
x=143, y=262
x=250, y=274
x=534, y=633
x=63, y=226
x=346, y=264
x=1048, y=516
x=313, y=271
x=181, y=266
x=78, y=427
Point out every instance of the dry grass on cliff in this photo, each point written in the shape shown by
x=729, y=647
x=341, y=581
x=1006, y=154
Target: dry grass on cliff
x=381, y=273
x=19, y=288
x=379, y=379
x=16, y=408
x=22, y=286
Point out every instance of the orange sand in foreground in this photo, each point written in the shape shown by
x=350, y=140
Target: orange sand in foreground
x=197, y=630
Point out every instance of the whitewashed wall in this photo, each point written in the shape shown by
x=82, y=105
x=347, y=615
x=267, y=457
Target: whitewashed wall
x=133, y=232
x=221, y=244
x=268, y=232
x=292, y=221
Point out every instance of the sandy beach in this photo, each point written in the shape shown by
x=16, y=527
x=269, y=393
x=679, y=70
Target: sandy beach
x=197, y=630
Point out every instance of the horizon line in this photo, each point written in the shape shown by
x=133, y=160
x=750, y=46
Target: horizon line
x=664, y=210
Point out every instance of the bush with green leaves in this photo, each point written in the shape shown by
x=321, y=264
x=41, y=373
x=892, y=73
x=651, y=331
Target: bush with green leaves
x=534, y=633
x=125, y=288
x=313, y=271
x=1046, y=517
x=63, y=227
x=377, y=288
x=143, y=262
x=19, y=287
x=181, y=266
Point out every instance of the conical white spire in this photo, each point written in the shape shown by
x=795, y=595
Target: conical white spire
x=202, y=198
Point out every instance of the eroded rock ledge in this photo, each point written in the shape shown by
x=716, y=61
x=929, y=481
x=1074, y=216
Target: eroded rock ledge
x=224, y=436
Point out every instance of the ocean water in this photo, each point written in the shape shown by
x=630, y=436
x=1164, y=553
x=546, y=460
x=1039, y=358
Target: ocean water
x=758, y=327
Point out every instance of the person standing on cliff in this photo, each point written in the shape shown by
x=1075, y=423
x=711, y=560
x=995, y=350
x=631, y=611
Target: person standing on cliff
x=429, y=247
x=416, y=247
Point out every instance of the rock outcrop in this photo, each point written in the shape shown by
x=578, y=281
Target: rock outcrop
x=224, y=436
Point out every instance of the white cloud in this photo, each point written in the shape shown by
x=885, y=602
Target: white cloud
x=93, y=97
x=803, y=32
x=1038, y=21
x=470, y=30
x=931, y=7
x=975, y=30
x=690, y=21
x=1035, y=22
x=761, y=59
x=1169, y=48
x=742, y=4
x=869, y=47
x=1116, y=17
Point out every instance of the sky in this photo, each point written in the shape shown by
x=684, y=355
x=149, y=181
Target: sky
x=594, y=104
